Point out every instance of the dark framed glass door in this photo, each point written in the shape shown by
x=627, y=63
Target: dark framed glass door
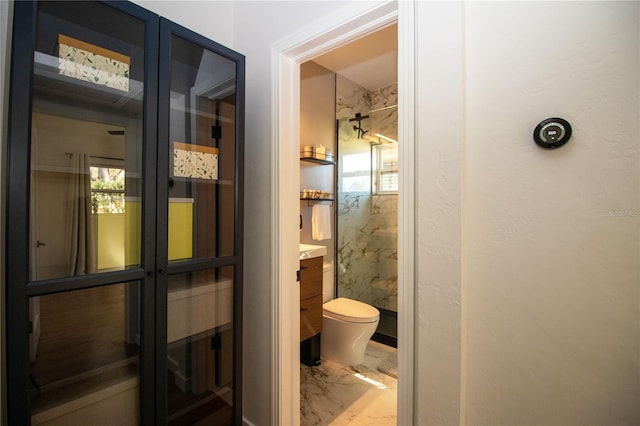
x=201, y=99
x=123, y=270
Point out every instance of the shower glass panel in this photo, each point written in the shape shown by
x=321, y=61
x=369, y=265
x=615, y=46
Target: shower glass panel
x=367, y=200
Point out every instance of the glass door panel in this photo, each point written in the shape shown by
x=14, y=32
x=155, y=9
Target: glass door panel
x=86, y=360
x=86, y=140
x=200, y=347
x=203, y=244
x=202, y=153
x=84, y=213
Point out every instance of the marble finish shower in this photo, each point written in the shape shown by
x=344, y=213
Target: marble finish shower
x=367, y=200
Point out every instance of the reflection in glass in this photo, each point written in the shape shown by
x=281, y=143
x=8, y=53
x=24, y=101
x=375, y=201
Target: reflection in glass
x=86, y=120
x=84, y=356
x=200, y=347
x=202, y=153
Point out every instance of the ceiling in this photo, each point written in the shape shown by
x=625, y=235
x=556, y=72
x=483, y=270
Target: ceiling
x=370, y=61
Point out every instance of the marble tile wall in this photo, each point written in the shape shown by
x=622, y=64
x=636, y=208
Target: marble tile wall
x=384, y=115
x=367, y=224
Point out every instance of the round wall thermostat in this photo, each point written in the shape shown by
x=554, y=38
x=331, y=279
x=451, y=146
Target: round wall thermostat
x=552, y=133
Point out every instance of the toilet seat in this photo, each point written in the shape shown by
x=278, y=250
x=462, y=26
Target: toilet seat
x=350, y=310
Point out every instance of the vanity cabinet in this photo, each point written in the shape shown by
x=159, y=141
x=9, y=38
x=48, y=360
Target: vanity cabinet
x=310, y=297
x=124, y=213
x=310, y=310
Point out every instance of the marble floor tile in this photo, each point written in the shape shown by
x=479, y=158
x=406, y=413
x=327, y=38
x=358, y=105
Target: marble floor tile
x=331, y=394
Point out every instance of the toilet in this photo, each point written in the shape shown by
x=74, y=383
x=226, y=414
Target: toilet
x=327, y=282
x=347, y=326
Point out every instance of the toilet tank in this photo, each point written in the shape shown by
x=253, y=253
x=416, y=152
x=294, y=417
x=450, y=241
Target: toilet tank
x=328, y=288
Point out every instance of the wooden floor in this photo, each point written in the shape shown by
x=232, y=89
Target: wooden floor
x=81, y=332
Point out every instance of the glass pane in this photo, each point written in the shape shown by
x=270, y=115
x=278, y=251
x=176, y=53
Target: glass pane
x=87, y=115
x=386, y=158
x=202, y=152
x=84, y=356
x=200, y=347
x=367, y=200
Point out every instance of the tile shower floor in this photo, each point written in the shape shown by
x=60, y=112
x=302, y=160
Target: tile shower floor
x=334, y=395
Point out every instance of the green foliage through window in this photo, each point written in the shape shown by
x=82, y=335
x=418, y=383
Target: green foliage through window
x=107, y=190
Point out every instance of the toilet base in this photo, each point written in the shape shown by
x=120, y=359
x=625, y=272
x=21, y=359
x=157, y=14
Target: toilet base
x=345, y=343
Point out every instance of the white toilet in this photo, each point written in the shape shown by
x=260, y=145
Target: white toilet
x=347, y=326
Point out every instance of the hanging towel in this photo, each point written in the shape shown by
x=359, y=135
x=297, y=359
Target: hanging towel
x=321, y=222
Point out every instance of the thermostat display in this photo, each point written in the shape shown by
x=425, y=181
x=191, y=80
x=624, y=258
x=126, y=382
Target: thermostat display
x=552, y=133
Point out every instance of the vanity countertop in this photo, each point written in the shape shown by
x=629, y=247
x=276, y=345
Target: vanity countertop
x=308, y=251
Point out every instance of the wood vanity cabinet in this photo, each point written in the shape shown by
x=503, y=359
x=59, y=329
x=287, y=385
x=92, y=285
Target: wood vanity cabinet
x=310, y=297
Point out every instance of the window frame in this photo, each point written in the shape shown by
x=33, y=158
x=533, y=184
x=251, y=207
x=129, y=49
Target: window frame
x=378, y=169
x=110, y=163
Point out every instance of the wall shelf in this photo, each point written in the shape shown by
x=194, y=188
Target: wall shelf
x=327, y=197
x=327, y=162
x=316, y=199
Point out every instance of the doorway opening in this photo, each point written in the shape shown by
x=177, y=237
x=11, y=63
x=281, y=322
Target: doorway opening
x=288, y=55
x=349, y=127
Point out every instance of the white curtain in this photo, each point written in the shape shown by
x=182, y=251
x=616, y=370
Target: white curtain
x=80, y=226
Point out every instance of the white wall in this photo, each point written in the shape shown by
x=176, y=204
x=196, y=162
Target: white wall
x=212, y=19
x=552, y=278
x=439, y=153
x=528, y=260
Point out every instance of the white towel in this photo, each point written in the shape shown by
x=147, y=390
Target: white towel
x=321, y=222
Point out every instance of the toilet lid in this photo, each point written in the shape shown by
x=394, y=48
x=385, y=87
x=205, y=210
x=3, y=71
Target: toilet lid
x=351, y=310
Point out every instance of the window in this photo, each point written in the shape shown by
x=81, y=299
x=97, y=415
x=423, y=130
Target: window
x=107, y=188
x=356, y=172
x=385, y=178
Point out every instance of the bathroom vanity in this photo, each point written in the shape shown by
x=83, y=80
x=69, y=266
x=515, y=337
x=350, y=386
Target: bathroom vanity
x=310, y=302
x=310, y=297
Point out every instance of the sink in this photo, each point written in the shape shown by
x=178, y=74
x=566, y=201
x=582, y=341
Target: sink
x=308, y=251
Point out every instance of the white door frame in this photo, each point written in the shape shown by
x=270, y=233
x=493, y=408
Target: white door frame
x=350, y=22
